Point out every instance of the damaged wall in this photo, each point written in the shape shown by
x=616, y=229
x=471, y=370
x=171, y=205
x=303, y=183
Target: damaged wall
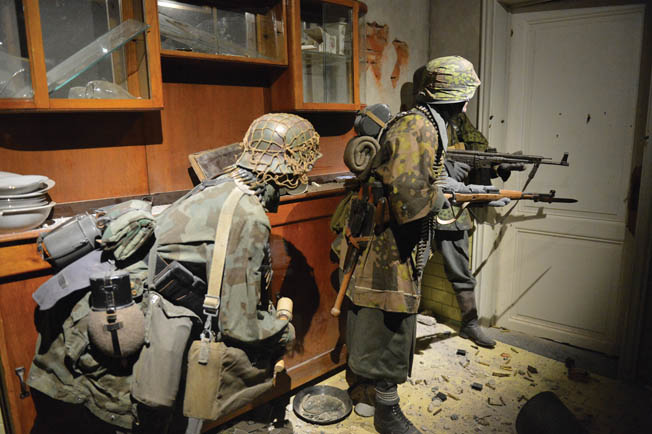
x=396, y=45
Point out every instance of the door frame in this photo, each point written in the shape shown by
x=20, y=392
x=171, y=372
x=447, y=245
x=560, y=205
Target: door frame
x=492, y=104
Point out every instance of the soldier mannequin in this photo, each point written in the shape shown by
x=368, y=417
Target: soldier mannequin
x=279, y=150
x=385, y=287
x=452, y=240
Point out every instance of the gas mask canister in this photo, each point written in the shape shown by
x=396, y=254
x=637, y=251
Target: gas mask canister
x=116, y=325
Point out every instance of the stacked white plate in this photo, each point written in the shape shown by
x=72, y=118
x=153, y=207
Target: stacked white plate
x=24, y=201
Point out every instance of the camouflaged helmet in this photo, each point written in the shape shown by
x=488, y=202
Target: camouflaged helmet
x=449, y=79
x=281, y=148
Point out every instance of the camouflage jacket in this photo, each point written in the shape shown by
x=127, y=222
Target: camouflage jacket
x=462, y=135
x=185, y=232
x=384, y=276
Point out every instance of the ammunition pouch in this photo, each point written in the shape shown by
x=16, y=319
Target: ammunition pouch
x=179, y=285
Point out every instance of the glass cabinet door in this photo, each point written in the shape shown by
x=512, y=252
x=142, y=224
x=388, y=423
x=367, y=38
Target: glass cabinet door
x=255, y=33
x=327, y=52
x=95, y=49
x=15, y=72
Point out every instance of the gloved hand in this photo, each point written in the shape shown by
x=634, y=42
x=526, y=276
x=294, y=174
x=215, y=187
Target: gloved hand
x=500, y=202
x=450, y=185
x=504, y=170
x=458, y=171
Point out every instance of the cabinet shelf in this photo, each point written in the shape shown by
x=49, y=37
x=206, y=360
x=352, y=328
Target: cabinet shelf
x=193, y=55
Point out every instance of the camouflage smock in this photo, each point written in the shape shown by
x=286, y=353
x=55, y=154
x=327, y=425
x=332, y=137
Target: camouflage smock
x=384, y=276
x=462, y=135
x=185, y=232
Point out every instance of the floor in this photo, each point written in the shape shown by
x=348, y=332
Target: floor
x=509, y=375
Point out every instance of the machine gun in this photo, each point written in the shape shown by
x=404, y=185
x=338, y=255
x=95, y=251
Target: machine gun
x=491, y=158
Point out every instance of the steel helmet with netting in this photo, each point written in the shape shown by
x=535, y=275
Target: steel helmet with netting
x=449, y=79
x=281, y=148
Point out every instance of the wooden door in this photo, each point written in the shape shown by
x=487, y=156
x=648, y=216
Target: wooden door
x=572, y=87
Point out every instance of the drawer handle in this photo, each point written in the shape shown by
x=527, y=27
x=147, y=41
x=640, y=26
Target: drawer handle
x=20, y=372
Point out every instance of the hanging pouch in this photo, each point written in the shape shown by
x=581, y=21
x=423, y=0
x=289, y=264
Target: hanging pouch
x=220, y=380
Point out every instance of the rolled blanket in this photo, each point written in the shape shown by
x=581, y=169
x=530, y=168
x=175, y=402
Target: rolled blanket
x=359, y=152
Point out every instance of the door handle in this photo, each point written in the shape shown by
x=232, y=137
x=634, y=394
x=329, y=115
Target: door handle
x=20, y=372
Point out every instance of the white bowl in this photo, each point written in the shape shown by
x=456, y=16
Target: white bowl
x=22, y=219
x=48, y=184
x=21, y=184
x=7, y=174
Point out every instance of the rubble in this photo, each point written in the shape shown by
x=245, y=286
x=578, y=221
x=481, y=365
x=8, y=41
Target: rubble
x=442, y=374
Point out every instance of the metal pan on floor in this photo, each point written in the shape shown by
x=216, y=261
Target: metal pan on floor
x=322, y=405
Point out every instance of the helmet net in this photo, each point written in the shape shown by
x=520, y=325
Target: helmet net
x=280, y=148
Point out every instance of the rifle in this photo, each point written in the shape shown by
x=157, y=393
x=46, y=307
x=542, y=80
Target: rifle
x=511, y=194
x=466, y=199
x=490, y=158
x=367, y=212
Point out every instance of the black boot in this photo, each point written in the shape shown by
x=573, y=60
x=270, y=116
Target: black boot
x=472, y=330
x=388, y=417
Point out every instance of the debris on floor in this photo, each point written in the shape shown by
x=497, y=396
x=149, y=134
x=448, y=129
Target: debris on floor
x=601, y=404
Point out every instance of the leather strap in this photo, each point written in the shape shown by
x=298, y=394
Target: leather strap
x=212, y=299
x=375, y=118
x=454, y=219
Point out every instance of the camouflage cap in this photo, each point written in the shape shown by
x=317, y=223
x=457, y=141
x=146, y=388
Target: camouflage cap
x=449, y=79
x=280, y=147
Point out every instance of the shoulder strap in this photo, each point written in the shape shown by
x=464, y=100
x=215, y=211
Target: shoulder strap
x=212, y=298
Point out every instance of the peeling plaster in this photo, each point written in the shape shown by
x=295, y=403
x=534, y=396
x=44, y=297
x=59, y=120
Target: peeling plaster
x=402, y=56
x=377, y=36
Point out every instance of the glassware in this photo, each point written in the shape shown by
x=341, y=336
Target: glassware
x=327, y=52
x=236, y=31
x=86, y=41
x=15, y=77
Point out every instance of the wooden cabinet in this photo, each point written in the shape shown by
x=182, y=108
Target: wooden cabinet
x=302, y=271
x=236, y=32
x=79, y=55
x=322, y=73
